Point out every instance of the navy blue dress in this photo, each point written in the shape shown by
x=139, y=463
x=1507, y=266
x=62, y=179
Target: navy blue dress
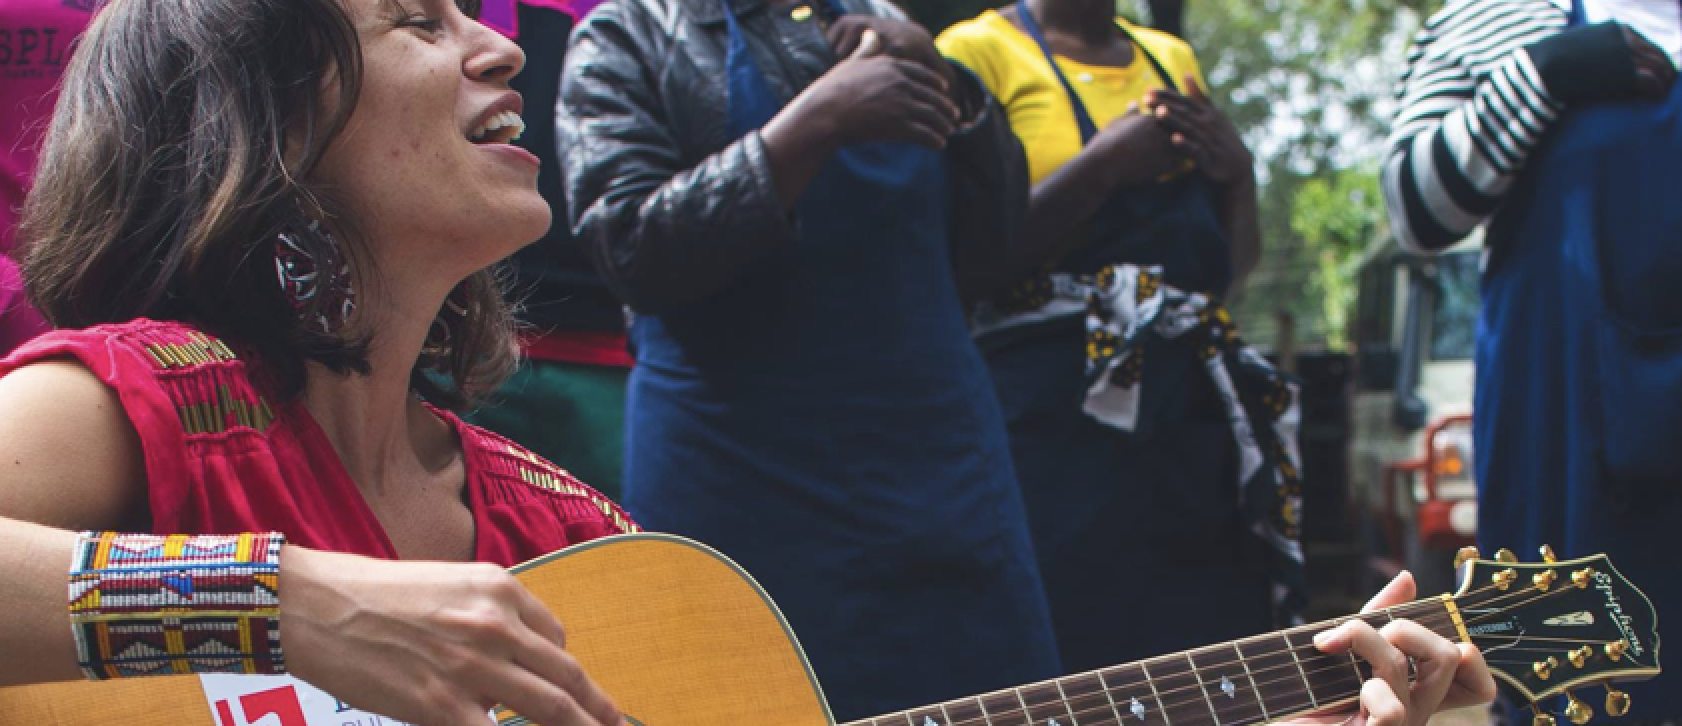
x=1578, y=409
x=1111, y=509
x=829, y=424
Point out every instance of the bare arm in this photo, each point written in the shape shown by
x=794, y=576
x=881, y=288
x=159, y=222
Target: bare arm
x=1240, y=219
x=384, y=634
x=34, y=560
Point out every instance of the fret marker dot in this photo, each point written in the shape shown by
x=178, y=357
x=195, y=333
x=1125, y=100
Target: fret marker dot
x=1227, y=687
x=929, y=721
x=1053, y=722
x=1138, y=709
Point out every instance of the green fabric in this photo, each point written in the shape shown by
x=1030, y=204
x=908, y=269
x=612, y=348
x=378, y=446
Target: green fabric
x=571, y=414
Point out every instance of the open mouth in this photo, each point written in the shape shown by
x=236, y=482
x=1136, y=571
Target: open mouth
x=500, y=128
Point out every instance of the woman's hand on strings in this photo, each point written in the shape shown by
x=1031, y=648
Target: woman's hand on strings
x=431, y=643
x=1449, y=675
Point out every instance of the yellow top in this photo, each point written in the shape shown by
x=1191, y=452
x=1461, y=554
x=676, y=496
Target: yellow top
x=1014, y=69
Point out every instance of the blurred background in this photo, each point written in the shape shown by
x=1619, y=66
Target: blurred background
x=1381, y=340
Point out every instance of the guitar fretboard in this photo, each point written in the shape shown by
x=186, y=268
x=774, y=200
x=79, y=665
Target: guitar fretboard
x=1251, y=681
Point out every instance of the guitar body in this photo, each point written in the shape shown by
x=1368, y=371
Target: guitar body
x=676, y=633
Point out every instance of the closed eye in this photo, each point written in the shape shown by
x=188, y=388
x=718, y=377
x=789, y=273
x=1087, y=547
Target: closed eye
x=422, y=22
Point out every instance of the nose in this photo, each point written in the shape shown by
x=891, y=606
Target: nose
x=493, y=58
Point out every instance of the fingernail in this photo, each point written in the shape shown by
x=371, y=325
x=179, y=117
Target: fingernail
x=1324, y=638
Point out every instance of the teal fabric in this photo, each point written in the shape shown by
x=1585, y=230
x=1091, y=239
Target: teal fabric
x=571, y=414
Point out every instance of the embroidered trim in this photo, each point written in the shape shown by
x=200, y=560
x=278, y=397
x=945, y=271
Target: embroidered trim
x=535, y=471
x=197, y=349
x=214, y=395
x=145, y=604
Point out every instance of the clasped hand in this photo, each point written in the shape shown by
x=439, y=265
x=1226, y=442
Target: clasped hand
x=891, y=85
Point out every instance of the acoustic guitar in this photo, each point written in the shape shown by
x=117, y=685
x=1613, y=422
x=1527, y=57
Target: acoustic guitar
x=681, y=636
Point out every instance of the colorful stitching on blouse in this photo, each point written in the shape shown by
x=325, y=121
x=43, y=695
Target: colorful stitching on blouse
x=144, y=604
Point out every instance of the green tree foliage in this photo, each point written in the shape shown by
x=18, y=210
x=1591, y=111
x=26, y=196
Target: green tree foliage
x=1310, y=84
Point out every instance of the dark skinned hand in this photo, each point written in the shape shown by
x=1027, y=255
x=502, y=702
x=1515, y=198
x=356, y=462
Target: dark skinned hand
x=873, y=96
x=1203, y=133
x=1142, y=145
x=900, y=39
x=1654, y=73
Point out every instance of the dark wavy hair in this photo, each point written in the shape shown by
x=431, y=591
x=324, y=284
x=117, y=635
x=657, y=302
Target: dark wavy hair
x=165, y=179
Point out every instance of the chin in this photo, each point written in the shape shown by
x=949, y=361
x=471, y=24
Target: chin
x=522, y=225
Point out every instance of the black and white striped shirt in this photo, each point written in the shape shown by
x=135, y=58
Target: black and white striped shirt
x=1472, y=107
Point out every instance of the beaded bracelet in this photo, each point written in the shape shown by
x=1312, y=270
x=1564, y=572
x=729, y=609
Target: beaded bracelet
x=145, y=604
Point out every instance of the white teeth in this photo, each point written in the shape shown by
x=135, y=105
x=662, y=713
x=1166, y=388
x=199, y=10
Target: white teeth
x=498, y=123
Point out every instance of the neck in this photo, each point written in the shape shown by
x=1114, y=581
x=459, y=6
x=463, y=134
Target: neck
x=1092, y=21
x=380, y=432
x=1252, y=681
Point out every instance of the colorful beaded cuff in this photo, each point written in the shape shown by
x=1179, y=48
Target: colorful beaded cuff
x=145, y=604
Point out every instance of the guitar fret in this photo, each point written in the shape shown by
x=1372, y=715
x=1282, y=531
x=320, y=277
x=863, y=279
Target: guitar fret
x=1105, y=687
x=1260, y=703
x=1306, y=687
x=1002, y=705
x=1044, y=704
x=1065, y=697
x=1166, y=720
x=965, y=712
x=945, y=715
x=1203, y=689
x=1089, y=702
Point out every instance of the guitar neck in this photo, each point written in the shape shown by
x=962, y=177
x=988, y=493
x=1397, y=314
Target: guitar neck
x=1251, y=681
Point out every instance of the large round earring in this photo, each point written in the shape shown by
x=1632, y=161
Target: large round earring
x=439, y=338
x=307, y=283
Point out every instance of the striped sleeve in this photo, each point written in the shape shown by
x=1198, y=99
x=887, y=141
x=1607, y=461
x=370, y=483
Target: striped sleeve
x=1471, y=108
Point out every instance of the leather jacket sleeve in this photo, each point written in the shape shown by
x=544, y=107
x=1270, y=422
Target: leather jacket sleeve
x=662, y=232
x=987, y=175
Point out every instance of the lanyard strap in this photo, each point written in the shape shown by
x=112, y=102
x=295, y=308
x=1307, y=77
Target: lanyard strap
x=1083, y=119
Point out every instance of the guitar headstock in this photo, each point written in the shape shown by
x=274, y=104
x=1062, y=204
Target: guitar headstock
x=1549, y=627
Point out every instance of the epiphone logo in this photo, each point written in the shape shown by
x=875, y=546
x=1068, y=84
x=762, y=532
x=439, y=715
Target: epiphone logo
x=1507, y=626
x=1578, y=618
x=1615, y=608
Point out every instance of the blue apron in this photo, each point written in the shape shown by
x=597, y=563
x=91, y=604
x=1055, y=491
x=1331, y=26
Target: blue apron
x=1578, y=407
x=828, y=423
x=1110, y=510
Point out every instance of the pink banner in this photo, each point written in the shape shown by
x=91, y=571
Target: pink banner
x=502, y=15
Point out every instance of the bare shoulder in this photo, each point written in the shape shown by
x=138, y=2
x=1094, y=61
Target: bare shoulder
x=69, y=455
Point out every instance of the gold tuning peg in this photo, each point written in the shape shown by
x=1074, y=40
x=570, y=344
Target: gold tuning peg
x=1505, y=556
x=1542, y=719
x=1504, y=579
x=1544, y=579
x=1548, y=555
x=1465, y=553
x=1615, y=651
x=1617, y=702
x=1580, y=656
x=1581, y=577
x=1544, y=668
x=1578, y=712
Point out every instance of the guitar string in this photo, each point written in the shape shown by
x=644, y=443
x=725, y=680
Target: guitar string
x=1101, y=709
x=1338, y=662
x=1159, y=695
x=1316, y=659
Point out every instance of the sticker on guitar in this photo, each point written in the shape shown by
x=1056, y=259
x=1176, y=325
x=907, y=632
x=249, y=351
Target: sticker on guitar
x=281, y=701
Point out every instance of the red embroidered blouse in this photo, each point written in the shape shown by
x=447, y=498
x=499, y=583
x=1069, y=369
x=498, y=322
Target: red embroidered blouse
x=222, y=457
